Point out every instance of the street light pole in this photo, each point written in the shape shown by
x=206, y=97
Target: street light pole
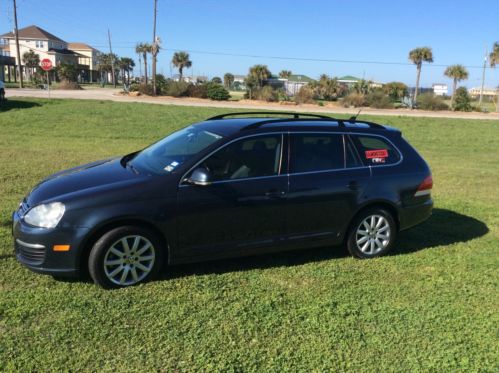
x=483, y=77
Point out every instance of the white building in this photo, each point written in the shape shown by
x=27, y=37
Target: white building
x=475, y=92
x=440, y=89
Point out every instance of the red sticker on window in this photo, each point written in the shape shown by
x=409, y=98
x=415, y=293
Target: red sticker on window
x=379, y=153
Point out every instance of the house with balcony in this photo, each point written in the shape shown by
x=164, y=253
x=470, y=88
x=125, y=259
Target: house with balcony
x=47, y=46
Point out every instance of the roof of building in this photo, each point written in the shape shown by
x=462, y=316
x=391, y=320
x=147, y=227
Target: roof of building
x=299, y=78
x=32, y=32
x=349, y=78
x=79, y=46
x=441, y=84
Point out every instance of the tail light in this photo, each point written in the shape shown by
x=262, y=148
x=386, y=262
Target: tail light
x=425, y=187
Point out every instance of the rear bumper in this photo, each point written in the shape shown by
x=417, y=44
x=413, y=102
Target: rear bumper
x=416, y=214
x=34, y=248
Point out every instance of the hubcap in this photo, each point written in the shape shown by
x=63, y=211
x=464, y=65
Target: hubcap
x=373, y=234
x=129, y=260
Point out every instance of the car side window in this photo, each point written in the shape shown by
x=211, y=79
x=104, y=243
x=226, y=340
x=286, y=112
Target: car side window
x=351, y=156
x=316, y=152
x=251, y=157
x=375, y=151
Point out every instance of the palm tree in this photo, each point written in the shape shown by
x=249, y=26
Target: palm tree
x=260, y=73
x=457, y=73
x=494, y=60
x=228, y=80
x=285, y=74
x=418, y=56
x=181, y=60
x=126, y=65
x=31, y=60
x=144, y=48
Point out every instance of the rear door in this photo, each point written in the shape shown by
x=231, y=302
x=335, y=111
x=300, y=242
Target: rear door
x=326, y=183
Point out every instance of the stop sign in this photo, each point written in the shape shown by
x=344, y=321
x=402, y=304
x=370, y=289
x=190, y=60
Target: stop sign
x=46, y=64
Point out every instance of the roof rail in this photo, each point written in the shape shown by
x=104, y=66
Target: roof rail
x=293, y=114
x=340, y=122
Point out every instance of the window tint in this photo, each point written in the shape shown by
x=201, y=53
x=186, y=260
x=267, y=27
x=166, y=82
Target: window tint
x=252, y=157
x=316, y=152
x=375, y=150
x=352, y=158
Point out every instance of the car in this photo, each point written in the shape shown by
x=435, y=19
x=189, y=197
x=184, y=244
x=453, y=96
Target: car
x=233, y=185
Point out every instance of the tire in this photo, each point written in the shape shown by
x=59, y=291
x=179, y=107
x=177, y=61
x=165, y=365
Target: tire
x=126, y=256
x=368, y=238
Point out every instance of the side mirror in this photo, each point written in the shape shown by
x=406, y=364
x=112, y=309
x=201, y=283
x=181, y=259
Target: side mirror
x=200, y=176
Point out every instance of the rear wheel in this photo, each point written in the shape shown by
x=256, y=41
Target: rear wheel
x=372, y=233
x=125, y=256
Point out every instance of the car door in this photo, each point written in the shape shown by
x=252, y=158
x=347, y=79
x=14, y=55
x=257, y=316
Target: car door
x=326, y=182
x=242, y=207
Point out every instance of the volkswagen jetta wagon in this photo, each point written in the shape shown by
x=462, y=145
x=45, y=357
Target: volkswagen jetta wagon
x=233, y=185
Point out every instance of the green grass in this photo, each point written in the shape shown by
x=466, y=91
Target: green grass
x=431, y=305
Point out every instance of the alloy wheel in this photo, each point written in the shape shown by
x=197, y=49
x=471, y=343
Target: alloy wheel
x=129, y=260
x=373, y=234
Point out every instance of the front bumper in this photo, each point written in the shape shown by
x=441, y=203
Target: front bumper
x=34, y=247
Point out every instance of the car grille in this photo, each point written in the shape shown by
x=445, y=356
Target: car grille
x=30, y=253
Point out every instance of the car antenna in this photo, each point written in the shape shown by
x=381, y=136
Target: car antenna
x=353, y=118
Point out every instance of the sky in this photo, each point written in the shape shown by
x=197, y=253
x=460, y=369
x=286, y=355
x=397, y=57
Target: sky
x=369, y=39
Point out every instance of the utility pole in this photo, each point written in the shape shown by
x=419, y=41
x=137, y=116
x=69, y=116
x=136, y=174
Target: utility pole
x=19, y=67
x=483, y=77
x=112, y=57
x=154, y=49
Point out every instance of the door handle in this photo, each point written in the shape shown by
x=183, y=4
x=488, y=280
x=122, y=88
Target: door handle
x=353, y=185
x=274, y=193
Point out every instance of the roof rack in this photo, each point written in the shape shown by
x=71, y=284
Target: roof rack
x=341, y=122
x=293, y=114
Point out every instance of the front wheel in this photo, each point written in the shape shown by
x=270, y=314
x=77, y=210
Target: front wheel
x=371, y=234
x=125, y=256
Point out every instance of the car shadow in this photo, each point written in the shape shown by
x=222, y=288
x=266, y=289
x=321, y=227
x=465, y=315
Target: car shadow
x=17, y=104
x=444, y=227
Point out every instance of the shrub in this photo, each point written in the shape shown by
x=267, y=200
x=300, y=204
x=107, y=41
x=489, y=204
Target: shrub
x=305, y=95
x=428, y=101
x=198, y=90
x=162, y=84
x=177, y=89
x=267, y=93
x=354, y=99
x=282, y=95
x=396, y=90
x=462, y=100
x=379, y=100
x=217, y=92
x=142, y=88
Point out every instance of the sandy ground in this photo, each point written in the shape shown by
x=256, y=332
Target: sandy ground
x=113, y=95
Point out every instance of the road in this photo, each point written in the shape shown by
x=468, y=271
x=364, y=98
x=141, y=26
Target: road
x=113, y=95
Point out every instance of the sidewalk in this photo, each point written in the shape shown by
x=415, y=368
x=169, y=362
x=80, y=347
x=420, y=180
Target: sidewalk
x=113, y=95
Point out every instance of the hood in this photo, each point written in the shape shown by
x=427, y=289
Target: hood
x=89, y=176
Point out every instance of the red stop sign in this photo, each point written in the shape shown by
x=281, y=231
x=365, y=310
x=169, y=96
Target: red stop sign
x=46, y=64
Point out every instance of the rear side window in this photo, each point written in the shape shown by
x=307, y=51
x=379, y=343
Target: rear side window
x=375, y=150
x=316, y=152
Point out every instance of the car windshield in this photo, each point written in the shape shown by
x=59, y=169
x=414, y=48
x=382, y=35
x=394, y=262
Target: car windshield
x=175, y=149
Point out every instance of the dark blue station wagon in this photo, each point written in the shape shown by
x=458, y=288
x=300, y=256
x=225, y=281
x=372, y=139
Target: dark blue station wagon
x=233, y=185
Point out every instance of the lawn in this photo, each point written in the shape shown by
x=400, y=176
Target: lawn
x=432, y=305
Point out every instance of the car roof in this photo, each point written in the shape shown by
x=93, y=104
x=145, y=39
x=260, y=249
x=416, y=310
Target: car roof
x=230, y=126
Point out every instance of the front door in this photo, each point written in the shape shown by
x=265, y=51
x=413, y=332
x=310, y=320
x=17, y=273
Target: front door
x=242, y=208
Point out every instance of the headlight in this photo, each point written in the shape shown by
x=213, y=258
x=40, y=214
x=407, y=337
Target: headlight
x=45, y=216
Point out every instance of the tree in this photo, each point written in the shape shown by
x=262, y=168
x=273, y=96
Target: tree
x=494, y=60
x=181, y=60
x=418, y=56
x=362, y=87
x=216, y=80
x=105, y=63
x=326, y=88
x=260, y=73
x=251, y=84
x=67, y=72
x=456, y=73
x=126, y=65
x=31, y=60
x=285, y=74
x=463, y=100
x=395, y=90
x=144, y=49
x=228, y=80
